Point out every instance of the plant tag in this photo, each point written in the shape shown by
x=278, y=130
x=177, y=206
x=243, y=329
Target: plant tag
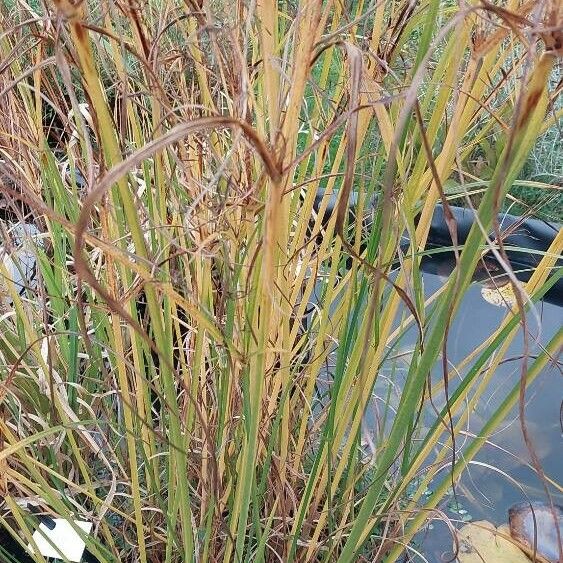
x=68, y=542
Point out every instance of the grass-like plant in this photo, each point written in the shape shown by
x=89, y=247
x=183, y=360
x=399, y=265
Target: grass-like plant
x=164, y=374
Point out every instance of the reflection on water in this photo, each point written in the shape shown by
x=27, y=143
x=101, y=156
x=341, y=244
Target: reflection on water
x=501, y=473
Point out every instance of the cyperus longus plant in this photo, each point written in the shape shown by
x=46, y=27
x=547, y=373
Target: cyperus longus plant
x=164, y=374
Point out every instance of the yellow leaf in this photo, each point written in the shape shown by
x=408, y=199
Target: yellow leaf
x=481, y=542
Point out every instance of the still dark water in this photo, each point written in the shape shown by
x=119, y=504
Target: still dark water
x=500, y=474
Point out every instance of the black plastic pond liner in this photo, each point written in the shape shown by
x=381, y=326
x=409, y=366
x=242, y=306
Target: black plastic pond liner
x=10, y=550
x=525, y=240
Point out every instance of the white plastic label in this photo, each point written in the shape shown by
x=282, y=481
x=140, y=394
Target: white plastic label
x=68, y=542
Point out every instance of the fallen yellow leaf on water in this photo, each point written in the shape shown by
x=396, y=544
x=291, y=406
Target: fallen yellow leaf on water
x=502, y=296
x=481, y=542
